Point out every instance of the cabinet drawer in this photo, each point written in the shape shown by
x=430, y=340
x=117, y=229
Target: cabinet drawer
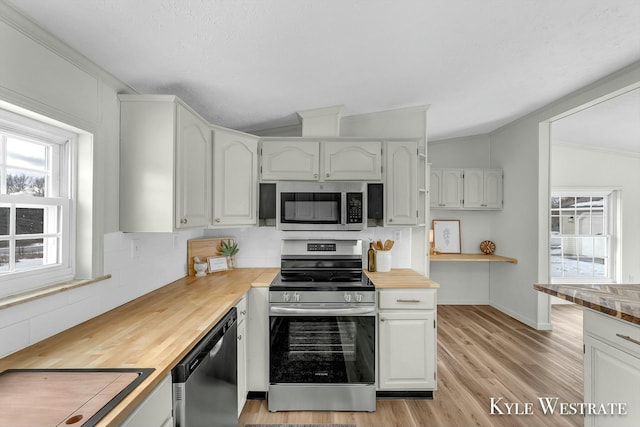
x=619, y=333
x=407, y=299
x=241, y=308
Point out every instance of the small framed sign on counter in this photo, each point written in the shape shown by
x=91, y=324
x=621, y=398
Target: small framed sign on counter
x=217, y=263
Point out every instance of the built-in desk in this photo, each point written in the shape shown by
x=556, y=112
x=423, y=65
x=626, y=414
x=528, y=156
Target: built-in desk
x=472, y=258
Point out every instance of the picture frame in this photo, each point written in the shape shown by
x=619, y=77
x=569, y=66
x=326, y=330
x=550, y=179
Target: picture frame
x=217, y=263
x=446, y=236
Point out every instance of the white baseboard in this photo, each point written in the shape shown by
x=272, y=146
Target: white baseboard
x=529, y=322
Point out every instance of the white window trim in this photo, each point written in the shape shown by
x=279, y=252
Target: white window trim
x=613, y=224
x=66, y=158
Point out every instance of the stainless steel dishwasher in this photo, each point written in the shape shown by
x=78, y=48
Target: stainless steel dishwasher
x=205, y=386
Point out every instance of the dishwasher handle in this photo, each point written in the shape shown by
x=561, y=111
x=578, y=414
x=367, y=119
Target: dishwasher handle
x=216, y=348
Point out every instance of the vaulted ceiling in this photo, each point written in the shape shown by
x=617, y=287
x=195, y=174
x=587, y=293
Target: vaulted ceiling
x=251, y=64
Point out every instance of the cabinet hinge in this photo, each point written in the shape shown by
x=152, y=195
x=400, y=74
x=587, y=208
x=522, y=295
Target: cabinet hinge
x=434, y=323
x=584, y=349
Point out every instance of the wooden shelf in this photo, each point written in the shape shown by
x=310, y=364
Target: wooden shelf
x=472, y=258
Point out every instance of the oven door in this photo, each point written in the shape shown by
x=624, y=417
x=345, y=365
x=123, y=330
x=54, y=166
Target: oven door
x=312, y=347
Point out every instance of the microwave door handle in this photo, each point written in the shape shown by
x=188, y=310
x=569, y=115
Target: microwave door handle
x=343, y=208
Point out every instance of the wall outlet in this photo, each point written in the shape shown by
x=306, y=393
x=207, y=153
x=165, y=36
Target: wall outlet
x=396, y=236
x=135, y=248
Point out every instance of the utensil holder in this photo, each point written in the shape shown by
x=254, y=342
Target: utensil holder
x=383, y=261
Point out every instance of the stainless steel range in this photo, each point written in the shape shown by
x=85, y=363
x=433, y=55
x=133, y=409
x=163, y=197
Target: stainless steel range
x=322, y=329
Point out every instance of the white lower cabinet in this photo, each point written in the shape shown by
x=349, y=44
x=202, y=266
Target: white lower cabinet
x=611, y=370
x=156, y=410
x=407, y=339
x=258, y=340
x=241, y=308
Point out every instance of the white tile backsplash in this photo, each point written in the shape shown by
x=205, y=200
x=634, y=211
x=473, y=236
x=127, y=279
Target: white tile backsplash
x=162, y=259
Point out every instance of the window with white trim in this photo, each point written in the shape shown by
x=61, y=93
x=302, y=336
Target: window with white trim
x=36, y=204
x=583, y=236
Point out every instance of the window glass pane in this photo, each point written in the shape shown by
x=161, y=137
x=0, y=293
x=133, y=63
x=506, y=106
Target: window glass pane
x=583, y=223
x=4, y=255
x=23, y=182
x=597, y=203
x=29, y=220
x=567, y=222
x=29, y=253
x=4, y=221
x=567, y=202
x=555, y=224
x=24, y=154
x=555, y=202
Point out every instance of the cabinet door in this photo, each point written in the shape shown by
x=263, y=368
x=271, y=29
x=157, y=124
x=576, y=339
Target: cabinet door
x=407, y=350
x=241, y=308
x=235, y=180
x=492, y=189
x=258, y=344
x=473, y=188
x=352, y=160
x=193, y=170
x=451, y=192
x=155, y=410
x=290, y=160
x=401, y=187
x=611, y=376
x=435, y=187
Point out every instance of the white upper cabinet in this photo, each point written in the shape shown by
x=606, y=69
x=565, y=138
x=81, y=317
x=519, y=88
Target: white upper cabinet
x=473, y=189
x=446, y=188
x=353, y=160
x=401, y=184
x=165, y=165
x=338, y=160
x=483, y=188
x=290, y=160
x=235, y=178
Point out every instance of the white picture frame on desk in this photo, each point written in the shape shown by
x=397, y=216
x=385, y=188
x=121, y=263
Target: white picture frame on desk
x=446, y=236
x=217, y=263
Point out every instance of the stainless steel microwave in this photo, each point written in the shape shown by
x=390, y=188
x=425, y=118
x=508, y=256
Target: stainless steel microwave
x=338, y=205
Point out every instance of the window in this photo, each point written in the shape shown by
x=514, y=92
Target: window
x=36, y=204
x=582, y=236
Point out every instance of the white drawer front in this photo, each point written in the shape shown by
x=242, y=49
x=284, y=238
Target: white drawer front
x=407, y=299
x=619, y=333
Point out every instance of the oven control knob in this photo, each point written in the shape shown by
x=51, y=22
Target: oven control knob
x=285, y=297
x=347, y=297
x=358, y=297
x=296, y=297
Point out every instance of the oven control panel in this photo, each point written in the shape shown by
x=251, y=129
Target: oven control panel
x=348, y=297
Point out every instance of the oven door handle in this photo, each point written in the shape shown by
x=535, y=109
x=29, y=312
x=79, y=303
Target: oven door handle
x=351, y=311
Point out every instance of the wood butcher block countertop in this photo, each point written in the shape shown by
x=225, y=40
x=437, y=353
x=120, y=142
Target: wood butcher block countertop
x=401, y=278
x=621, y=301
x=154, y=331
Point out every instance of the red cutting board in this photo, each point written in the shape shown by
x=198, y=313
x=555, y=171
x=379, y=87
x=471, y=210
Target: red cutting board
x=50, y=398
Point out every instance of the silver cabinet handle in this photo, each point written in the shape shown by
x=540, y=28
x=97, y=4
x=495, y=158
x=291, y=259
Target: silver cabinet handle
x=628, y=338
x=328, y=174
x=315, y=175
x=217, y=219
x=382, y=319
x=239, y=337
x=407, y=300
x=243, y=312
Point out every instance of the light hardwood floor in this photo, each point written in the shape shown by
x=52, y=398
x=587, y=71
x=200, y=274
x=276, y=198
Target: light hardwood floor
x=482, y=353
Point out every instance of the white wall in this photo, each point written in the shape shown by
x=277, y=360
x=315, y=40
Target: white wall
x=523, y=224
x=576, y=166
x=464, y=282
x=42, y=75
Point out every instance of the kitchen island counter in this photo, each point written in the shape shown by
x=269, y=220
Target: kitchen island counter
x=401, y=278
x=155, y=330
x=620, y=301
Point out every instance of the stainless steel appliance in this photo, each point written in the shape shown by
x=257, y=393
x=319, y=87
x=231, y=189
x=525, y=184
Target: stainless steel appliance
x=321, y=205
x=322, y=329
x=205, y=386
